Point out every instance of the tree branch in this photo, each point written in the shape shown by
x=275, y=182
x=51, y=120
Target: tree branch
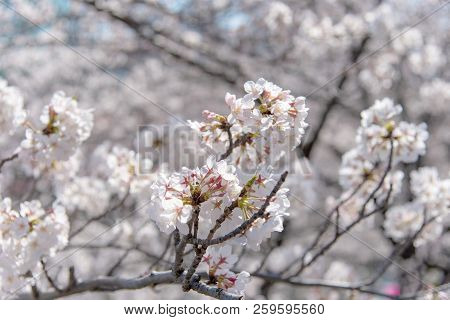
x=247, y=224
x=8, y=159
x=106, y=284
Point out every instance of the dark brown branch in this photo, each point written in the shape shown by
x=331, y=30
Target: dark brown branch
x=49, y=278
x=8, y=159
x=240, y=141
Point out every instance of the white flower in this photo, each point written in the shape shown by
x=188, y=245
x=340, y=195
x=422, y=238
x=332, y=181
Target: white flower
x=124, y=165
x=212, y=131
x=380, y=113
x=12, y=113
x=433, y=294
x=357, y=171
x=218, y=260
x=268, y=122
x=10, y=279
x=26, y=237
x=174, y=196
x=435, y=97
x=431, y=191
x=20, y=226
x=278, y=16
x=271, y=221
x=175, y=215
x=212, y=189
x=233, y=283
x=403, y=222
x=88, y=194
x=430, y=233
x=254, y=89
x=63, y=127
x=378, y=128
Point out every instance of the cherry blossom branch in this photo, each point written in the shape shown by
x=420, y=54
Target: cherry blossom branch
x=398, y=251
x=323, y=229
x=361, y=215
x=248, y=223
x=241, y=140
x=202, y=245
x=200, y=250
x=115, y=283
x=229, y=210
x=137, y=248
x=361, y=287
x=187, y=282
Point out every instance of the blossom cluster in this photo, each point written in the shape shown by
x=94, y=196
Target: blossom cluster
x=12, y=113
x=379, y=128
x=217, y=262
x=211, y=189
x=423, y=215
x=61, y=128
x=267, y=123
x=368, y=168
x=26, y=237
x=87, y=194
x=123, y=166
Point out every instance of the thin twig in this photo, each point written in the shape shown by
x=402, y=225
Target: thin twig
x=101, y=216
x=8, y=159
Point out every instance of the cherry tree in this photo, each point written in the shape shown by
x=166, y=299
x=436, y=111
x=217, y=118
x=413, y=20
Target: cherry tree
x=283, y=181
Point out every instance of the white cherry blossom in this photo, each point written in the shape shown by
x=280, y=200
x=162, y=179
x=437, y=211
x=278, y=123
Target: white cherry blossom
x=12, y=113
x=268, y=122
x=218, y=261
x=26, y=237
x=124, y=170
x=378, y=128
x=63, y=126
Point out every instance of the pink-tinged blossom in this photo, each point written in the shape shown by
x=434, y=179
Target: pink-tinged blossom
x=174, y=196
x=212, y=188
x=218, y=261
x=270, y=118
